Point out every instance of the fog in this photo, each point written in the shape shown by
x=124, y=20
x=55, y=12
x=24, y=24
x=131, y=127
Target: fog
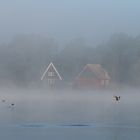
x=80, y=114
x=65, y=20
x=70, y=35
x=80, y=107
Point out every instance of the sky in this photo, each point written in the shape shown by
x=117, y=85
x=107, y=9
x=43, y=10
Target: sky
x=65, y=20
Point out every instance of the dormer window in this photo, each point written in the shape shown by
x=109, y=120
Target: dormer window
x=50, y=73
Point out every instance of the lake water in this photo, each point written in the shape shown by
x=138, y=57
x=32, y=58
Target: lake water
x=69, y=115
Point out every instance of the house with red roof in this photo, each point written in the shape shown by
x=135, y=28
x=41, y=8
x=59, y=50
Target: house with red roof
x=92, y=76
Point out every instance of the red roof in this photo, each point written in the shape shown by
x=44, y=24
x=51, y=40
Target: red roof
x=97, y=69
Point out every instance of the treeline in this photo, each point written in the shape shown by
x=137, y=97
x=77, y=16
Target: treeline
x=24, y=59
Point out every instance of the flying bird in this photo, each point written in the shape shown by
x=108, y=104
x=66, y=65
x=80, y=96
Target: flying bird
x=117, y=98
x=12, y=104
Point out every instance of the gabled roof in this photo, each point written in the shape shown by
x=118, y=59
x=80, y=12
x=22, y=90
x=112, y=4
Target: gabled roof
x=51, y=64
x=97, y=69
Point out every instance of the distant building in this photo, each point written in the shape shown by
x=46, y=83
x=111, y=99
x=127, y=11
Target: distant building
x=92, y=76
x=51, y=77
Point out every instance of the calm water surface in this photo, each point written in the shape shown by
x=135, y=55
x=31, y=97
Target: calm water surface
x=69, y=115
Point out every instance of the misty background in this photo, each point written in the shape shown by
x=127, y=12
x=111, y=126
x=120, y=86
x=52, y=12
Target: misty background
x=70, y=34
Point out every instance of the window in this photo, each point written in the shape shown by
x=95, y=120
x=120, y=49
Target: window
x=50, y=73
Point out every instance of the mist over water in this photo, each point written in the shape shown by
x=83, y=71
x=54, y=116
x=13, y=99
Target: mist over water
x=80, y=114
x=43, y=106
x=70, y=35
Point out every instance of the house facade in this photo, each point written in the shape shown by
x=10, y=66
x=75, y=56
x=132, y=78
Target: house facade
x=92, y=76
x=51, y=76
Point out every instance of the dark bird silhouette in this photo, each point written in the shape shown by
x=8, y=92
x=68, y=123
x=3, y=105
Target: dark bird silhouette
x=117, y=98
x=3, y=100
x=12, y=104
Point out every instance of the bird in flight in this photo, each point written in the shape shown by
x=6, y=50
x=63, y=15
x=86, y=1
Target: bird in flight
x=117, y=98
